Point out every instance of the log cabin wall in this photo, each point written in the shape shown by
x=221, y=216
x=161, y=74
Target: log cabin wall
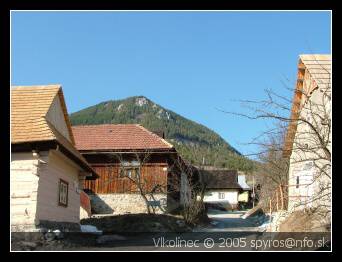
x=155, y=171
x=110, y=182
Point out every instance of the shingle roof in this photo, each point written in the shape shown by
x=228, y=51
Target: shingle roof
x=117, y=137
x=317, y=68
x=29, y=107
x=221, y=179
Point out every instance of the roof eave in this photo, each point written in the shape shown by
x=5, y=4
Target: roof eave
x=104, y=151
x=27, y=146
x=78, y=161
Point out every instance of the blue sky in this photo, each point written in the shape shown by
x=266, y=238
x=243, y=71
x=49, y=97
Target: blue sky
x=189, y=62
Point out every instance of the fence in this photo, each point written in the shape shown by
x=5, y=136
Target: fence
x=85, y=202
x=280, y=197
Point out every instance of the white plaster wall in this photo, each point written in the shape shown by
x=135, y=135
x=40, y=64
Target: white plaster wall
x=56, y=117
x=244, y=196
x=300, y=197
x=58, y=167
x=230, y=196
x=23, y=188
x=306, y=195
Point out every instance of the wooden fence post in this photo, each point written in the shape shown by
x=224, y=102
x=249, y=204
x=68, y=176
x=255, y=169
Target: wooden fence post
x=277, y=200
x=281, y=197
x=270, y=206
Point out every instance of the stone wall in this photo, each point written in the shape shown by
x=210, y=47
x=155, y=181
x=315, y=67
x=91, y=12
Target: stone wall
x=125, y=203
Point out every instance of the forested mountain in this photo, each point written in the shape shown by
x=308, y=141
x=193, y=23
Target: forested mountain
x=193, y=141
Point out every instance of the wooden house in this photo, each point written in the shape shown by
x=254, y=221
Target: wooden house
x=46, y=169
x=136, y=168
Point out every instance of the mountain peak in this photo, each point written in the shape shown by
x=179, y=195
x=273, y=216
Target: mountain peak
x=141, y=100
x=192, y=140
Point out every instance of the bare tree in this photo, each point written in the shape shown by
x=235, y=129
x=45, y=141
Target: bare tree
x=272, y=170
x=307, y=121
x=133, y=171
x=184, y=184
x=193, y=185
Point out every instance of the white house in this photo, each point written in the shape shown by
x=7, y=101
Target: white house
x=244, y=195
x=222, y=188
x=47, y=171
x=308, y=143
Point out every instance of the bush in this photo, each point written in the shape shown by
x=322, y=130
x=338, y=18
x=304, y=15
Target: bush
x=195, y=213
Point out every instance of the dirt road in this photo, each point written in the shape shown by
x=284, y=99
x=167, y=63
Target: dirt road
x=230, y=221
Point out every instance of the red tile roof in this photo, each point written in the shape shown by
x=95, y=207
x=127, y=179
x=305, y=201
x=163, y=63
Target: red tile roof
x=117, y=137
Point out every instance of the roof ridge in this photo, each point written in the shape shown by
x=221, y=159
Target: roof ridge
x=103, y=125
x=125, y=136
x=155, y=135
x=49, y=86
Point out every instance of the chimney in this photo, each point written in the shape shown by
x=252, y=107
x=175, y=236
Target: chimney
x=159, y=133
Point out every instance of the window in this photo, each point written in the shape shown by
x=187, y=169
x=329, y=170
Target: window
x=63, y=193
x=308, y=165
x=221, y=195
x=297, y=182
x=131, y=172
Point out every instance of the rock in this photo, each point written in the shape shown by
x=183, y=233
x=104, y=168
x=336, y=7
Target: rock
x=59, y=234
x=109, y=238
x=180, y=223
x=49, y=236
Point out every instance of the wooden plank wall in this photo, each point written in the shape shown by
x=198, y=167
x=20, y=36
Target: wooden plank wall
x=110, y=182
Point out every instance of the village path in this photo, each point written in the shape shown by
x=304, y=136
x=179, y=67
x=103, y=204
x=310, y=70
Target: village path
x=221, y=222
x=230, y=221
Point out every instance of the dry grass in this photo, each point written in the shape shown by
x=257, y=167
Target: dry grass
x=301, y=221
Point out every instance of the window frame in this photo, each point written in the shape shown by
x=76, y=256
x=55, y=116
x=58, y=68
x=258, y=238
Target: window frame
x=221, y=195
x=62, y=181
x=123, y=173
x=297, y=181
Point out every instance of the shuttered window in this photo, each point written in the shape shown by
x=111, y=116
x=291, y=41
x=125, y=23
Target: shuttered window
x=63, y=193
